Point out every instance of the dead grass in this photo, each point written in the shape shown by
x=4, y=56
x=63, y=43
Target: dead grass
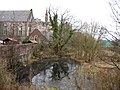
x=6, y=78
x=101, y=75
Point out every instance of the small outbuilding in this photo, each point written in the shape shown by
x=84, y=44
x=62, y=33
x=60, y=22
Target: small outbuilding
x=9, y=41
x=36, y=35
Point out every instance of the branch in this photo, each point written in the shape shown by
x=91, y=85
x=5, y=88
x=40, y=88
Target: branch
x=113, y=11
x=115, y=64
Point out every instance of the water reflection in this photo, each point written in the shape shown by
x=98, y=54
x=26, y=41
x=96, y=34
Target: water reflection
x=60, y=74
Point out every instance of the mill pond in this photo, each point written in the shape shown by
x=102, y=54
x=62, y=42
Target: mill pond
x=58, y=73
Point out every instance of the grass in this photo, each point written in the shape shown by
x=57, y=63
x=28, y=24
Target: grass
x=6, y=78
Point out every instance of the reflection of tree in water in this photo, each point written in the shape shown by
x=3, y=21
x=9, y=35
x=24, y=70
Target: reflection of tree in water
x=60, y=70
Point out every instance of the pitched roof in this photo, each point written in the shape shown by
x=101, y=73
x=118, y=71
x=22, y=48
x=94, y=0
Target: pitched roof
x=32, y=41
x=10, y=39
x=16, y=15
x=37, y=32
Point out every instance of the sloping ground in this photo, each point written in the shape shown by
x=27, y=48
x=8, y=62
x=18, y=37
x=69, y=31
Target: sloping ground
x=103, y=64
x=98, y=76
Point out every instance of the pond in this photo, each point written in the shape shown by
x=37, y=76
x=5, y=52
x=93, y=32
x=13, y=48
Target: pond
x=60, y=73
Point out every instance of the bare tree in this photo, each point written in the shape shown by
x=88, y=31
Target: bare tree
x=63, y=27
x=115, y=57
x=87, y=43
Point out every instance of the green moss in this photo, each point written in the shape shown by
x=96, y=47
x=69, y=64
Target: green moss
x=25, y=40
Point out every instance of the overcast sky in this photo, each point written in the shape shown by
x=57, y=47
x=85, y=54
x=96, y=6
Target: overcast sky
x=88, y=10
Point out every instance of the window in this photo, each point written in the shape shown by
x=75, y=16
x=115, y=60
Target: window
x=20, y=31
x=35, y=37
x=5, y=29
x=31, y=38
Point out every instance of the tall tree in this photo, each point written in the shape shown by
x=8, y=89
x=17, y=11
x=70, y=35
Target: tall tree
x=63, y=27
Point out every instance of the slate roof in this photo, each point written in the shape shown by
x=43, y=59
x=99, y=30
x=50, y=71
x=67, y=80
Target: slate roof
x=16, y=15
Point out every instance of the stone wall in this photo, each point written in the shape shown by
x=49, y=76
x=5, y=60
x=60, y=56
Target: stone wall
x=21, y=52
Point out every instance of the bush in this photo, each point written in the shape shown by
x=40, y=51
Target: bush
x=25, y=40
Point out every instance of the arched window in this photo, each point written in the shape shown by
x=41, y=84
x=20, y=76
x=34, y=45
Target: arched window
x=35, y=37
x=31, y=38
x=20, y=30
x=5, y=29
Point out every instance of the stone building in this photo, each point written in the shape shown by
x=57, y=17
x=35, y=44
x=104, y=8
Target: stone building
x=42, y=26
x=38, y=24
x=15, y=24
x=36, y=35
